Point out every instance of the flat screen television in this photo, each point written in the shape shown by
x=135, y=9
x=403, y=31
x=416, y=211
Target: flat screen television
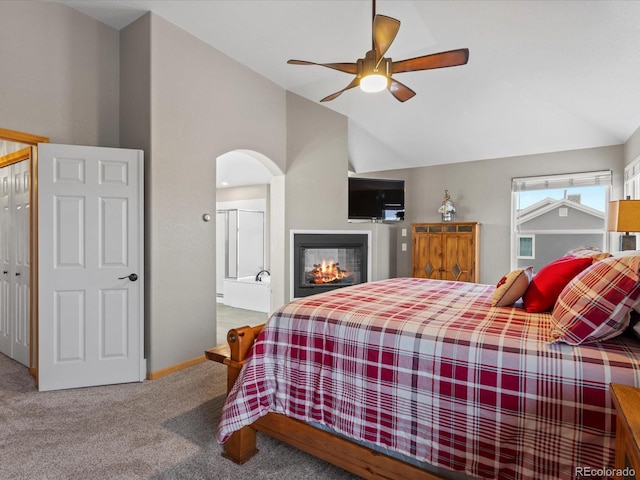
x=376, y=199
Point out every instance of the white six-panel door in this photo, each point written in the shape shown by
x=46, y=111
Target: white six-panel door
x=90, y=230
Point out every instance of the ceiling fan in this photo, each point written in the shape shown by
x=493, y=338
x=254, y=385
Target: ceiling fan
x=373, y=73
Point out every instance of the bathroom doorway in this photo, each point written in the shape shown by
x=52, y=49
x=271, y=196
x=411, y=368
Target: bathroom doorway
x=249, y=240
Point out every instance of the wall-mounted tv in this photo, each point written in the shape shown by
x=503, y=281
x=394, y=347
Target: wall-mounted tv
x=376, y=199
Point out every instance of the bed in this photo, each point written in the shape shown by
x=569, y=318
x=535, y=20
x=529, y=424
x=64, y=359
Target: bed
x=428, y=379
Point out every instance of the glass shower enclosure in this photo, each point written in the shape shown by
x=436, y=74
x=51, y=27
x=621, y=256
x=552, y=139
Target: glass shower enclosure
x=240, y=236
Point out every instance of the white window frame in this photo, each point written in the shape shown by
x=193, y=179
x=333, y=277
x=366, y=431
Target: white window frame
x=632, y=180
x=568, y=180
x=533, y=247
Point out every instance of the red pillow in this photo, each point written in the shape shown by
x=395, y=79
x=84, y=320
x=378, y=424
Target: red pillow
x=546, y=285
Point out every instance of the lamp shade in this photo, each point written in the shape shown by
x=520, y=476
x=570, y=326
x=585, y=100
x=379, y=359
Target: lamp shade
x=624, y=216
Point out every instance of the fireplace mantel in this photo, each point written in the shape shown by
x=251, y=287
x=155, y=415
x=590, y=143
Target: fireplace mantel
x=307, y=246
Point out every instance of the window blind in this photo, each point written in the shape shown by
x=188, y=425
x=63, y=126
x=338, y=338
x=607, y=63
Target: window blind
x=583, y=179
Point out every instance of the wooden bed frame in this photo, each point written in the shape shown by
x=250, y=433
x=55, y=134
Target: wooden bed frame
x=355, y=458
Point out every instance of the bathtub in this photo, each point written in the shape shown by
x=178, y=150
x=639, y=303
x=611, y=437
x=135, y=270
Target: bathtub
x=246, y=293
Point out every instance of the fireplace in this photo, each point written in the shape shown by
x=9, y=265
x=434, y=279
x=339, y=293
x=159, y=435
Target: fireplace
x=325, y=261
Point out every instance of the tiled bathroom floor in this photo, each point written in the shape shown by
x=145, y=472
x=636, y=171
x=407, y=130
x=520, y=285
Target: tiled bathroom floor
x=230, y=317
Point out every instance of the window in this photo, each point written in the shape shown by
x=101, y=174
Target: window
x=555, y=213
x=632, y=180
x=526, y=246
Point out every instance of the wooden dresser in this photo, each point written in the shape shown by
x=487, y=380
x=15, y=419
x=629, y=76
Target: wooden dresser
x=446, y=251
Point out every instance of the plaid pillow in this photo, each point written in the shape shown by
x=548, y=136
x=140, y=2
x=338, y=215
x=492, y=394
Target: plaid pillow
x=588, y=252
x=595, y=305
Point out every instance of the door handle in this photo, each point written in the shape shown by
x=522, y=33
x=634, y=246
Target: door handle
x=133, y=277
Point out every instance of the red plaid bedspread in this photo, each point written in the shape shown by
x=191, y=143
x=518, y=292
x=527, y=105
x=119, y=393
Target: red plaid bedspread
x=428, y=369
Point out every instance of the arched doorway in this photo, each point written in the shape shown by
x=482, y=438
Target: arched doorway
x=249, y=193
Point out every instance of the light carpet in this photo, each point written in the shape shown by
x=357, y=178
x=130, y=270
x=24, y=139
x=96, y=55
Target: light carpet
x=160, y=429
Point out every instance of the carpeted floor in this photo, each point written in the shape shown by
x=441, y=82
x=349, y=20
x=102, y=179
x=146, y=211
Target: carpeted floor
x=161, y=429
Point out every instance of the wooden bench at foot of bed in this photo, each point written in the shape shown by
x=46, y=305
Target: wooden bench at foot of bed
x=350, y=456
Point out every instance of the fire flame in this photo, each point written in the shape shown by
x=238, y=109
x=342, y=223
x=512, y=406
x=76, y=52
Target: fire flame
x=326, y=272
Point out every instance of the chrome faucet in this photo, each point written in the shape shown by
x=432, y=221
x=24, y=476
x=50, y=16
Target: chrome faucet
x=259, y=275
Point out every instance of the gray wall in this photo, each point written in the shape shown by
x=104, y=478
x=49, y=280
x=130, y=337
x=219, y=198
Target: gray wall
x=202, y=104
x=549, y=247
x=575, y=219
x=58, y=74
x=183, y=103
x=135, y=125
x=316, y=180
x=632, y=148
x=317, y=185
x=248, y=192
x=481, y=191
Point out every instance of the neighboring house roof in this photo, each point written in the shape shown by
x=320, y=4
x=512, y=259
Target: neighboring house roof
x=548, y=204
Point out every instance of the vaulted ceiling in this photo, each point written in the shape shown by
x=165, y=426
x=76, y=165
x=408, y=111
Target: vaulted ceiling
x=542, y=75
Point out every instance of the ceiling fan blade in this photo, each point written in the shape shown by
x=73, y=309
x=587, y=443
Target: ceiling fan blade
x=342, y=67
x=354, y=83
x=451, y=58
x=385, y=30
x=400, y=91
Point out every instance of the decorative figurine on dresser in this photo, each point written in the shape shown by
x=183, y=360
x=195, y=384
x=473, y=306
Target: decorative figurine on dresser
x=448, y=208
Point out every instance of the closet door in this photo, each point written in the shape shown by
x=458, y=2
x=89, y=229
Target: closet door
x=14, y=261
x=20, y=281
x=5, y=262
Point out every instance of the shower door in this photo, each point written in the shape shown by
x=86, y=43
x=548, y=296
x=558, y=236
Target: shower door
x=240, y=243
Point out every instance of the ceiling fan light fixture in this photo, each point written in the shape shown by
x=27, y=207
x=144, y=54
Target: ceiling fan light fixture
x=373, y=73
x=374, y=82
